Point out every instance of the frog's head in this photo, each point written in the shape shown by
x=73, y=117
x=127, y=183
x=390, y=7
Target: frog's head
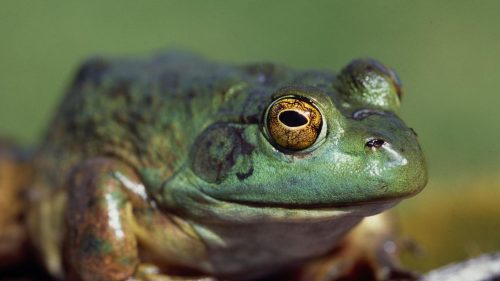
x=304, y=158
x=315, y=148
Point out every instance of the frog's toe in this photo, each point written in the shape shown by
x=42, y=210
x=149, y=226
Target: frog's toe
x=149, y=272
x=363, y=271
x=368, y=253
x=350, y=268
x=401, y=274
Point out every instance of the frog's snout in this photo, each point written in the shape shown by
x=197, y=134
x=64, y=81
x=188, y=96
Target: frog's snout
x=397, y=161
x=393, y=156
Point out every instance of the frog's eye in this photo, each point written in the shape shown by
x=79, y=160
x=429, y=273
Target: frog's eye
x=293, y=123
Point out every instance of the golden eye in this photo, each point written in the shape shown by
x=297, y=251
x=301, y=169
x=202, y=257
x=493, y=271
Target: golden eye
x=293, y=123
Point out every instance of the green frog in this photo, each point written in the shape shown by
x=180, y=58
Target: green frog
x=172, y=167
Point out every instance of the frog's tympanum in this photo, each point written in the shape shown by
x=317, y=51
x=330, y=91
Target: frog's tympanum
x=177, y=168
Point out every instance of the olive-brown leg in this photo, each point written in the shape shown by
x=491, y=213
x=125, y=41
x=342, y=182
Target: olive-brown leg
x=368, y=253
x=14, y=174
x=100, y=243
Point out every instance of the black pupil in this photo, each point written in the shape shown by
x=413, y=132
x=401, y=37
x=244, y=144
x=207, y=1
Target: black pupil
x=292, y=118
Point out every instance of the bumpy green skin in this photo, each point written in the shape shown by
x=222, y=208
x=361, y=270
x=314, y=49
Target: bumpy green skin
x=191, y=133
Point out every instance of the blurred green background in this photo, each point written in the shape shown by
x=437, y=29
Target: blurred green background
x=446, y=52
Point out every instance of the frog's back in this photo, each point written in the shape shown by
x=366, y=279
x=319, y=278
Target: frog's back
x=145, y=112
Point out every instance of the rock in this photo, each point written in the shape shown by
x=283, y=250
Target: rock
x=482, y=268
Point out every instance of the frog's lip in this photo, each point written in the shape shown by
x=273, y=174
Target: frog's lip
x=318, y=206
x=219, y=209
x=383, y=200
x=315, y=206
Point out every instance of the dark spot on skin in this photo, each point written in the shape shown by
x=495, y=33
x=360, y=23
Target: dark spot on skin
x=355, y=81
x=121, y=89
x=149, y=100
x=133, y=125
x=91, y=203
x=191, y=93
x=252, y=119
x=137, y=117
x=243, y=176
x=87, y=128
x=94, y=246
x=246, y=148
x=250, y=112
x=91, y=71
x=217, y=151
x=366, y=112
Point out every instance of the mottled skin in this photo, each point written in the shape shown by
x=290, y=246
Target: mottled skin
x=164, y=166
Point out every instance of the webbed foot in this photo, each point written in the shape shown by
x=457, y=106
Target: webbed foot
x=368, y=253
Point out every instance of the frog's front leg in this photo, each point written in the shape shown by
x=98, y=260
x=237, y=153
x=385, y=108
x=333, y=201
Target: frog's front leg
x=99, y=241
x=368, y=253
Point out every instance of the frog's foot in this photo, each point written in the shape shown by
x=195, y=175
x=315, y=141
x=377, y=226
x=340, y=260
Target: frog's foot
x=369, y=253
x=350, y=267
x=148, y=272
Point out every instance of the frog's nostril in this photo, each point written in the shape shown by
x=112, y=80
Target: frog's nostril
x=375, y=143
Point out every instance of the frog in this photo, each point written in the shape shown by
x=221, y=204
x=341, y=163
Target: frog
x=175, y=167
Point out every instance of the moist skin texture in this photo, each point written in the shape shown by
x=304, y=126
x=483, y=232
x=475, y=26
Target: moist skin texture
x=173, y=166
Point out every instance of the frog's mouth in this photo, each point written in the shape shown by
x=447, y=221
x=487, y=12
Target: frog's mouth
x=184, y=195
x=209, y=208
x=316, y=206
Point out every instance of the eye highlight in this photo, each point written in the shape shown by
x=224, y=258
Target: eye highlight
x=293, y=123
